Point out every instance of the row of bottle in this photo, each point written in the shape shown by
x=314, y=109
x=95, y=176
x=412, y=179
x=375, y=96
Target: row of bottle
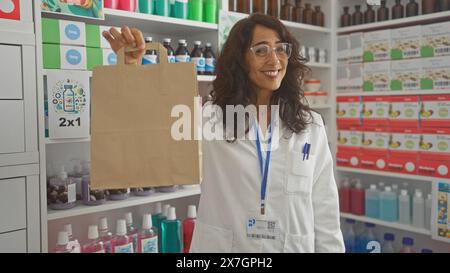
x=397, y=11
x=161, y=232
x=285, y=10
x=360, y=243
x=198, y=10
x=386, y=203
x=205, y=60
x=64, y=189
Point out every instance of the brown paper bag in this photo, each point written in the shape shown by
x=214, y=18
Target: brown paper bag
x=131, y=143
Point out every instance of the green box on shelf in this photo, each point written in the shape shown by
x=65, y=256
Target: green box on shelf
x=94, y=37
x=63, y=32
x=64, y=57
x=94, y=57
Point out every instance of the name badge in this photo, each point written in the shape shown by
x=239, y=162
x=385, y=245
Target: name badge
x=262, y=229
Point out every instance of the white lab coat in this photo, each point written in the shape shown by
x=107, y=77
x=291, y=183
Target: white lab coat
x=301, y=195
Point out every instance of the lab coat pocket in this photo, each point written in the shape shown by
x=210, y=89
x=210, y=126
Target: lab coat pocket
x=211, y=239
x=299, y=243
x=299, y=174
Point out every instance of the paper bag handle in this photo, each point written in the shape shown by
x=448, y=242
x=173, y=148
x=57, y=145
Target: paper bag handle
x=156, y=46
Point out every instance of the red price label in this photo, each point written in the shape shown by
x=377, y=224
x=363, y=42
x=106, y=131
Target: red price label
x=10, y=9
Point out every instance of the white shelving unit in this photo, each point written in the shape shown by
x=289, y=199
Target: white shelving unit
x=388, y=174
x=394, y=225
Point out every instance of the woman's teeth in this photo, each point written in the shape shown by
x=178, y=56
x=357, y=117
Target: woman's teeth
x=271, y=73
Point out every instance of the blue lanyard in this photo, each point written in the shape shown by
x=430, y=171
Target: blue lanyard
x=265, y=172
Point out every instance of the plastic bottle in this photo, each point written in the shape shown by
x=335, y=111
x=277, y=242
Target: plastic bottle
x=73, y=243
x=388, y=246
x=349, y=236
x=404, y=208
x=198, y=58
x=372, y=205
x=122, y=243
x=196, y=10
x=162, y=7
x=357, y=196
x=418, y=215
x=150, y=56
x=132, y=232
x=171, y=234
x=210, y=60
x=94, y=245
x=170, y=51
x=408, y=244
x=395, y=189
x=157, y=216
x=181, y=9
x=188, y=227
x=63, y=240
x=182, y=54
x=210, y=11
x=172, y=8
x=105, y=235
x=428, y=202
x=165, y=212
x=388, y=205
x=148, y=241
x=145, y=6
x=344, y=196
x=364, y=238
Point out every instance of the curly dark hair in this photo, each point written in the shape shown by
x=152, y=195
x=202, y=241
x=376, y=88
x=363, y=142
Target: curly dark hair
x=232, y=85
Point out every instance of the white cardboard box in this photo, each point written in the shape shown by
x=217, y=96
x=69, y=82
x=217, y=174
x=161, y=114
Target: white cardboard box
x=377, y=46
x=377, y=76
x=405, y=42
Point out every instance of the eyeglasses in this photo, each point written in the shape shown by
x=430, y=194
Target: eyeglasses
x=283, y=50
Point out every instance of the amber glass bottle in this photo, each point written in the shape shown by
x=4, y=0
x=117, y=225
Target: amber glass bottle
x=346, y=18
x=369, y=15
x=259, y=6
x=398, y=11
x=286, y=10
x=297, y=13
x=428, y=6
x=308, y=14
x=412, y=8
x=272, y=8
x=383, y=12
x=318, y=17
x=243, y=6
x=357, y=17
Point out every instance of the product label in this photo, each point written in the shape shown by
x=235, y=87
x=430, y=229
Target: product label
x=128, y=248
x=375, y=110
x=73, y=57
x=349, y=138
x=72, y=193
x=404, y=142
x=171, y=59
x=377, y=76
x=348, y=110
x=149, y=245
x=405, y=110
x=199, y=63
x=377, y=46
x=435, y=110
x=149, y=59
x=406, y=42
x=436, y=143
x=210, y=65
x=183, y=58
x=405, y=75
x=435, y=40
x=72, y=33
x=436, y=74
x=375, y=140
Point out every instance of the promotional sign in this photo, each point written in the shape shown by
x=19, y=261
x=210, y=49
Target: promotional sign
x=10, y=9
x=440, y=223
x=78, y=8
x=69, y=107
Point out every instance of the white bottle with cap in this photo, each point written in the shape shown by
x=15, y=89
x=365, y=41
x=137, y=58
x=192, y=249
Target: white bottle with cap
x=94, y=245
x=418, y=219
x=73, y=244
x=404, y=208
x=132, y=231
x=63, y=240
x=372, y=202
x=105, y=234
x=148, y=240
x=122, y=243
x=388, y=205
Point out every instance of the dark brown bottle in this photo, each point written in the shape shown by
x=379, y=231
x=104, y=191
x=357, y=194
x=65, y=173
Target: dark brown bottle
x=231, y=5
x=272, y=8
x=308, y=14
x=243, y=6
x=357, y=17
x=318, y=17
x=346, y=18
x=369, y=15
x=286, y=10
x=428, y=6
x=383, y=12
x=398, y=10
x=444, y=5
x=259, y=6
x=412, y=8
x=297, y=13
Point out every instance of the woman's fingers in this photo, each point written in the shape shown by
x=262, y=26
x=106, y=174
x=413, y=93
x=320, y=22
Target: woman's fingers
x=126, y=34
x=139, y=38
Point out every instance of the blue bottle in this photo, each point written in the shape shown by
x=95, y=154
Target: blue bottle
x=349, y=236
x=388, y=205
x=171, y=234
x=372, y=205
x=364, y=238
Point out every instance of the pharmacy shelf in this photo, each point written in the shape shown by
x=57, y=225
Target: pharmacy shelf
x=67, y=140
x=81, y=209
x=394, y=225
x=410, y=21
x=321, y=106
x=319, y=65
x=163, y=25
x=289, y=25
x=395, y=93
x=389, y=174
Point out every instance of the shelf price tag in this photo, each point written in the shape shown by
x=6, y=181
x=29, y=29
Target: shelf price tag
x=68, y=94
